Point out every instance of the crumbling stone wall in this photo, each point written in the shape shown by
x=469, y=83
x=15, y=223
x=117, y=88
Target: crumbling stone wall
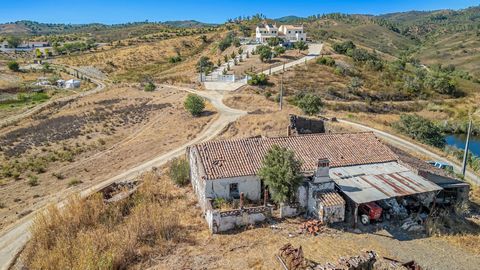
x=301, y=125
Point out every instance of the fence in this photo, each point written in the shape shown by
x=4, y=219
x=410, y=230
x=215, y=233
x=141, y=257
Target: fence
x=223, y=78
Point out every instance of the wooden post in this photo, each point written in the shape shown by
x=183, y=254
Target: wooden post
x=265, y=197
x=242, y=197
x=355, y=216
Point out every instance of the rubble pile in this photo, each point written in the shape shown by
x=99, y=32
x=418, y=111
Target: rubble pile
x=292, y=258
x=313, y=227
x=360, y=262
x=119, y=191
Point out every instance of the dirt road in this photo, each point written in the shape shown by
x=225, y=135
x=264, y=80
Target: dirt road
x=15, y=237
x=404, y=144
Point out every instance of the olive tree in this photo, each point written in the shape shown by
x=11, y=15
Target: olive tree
x=194, y=104
x=281, y=171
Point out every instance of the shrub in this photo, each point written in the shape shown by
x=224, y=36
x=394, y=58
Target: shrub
x=281, y=172
x=272, y=42
x=150, y=87
x=301, y=46
x=194, y=104
x=58, y=175
x=310, y=104
x=175, y=59
x=420, y=129
x=13, y=66
x=265, y=52
x=33, y=181
x=258, y=79
x=204, y=65
x=343, y=47
x=327, y=61
x=74, y=182
x=179, y=171
x=279, y=50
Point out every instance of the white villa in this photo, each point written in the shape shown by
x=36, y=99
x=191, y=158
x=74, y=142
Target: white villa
x=289, y=33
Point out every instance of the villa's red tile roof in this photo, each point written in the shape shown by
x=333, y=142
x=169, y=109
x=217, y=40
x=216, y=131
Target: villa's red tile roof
x=242, y=157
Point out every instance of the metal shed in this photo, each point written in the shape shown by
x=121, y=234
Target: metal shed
x=379, y=181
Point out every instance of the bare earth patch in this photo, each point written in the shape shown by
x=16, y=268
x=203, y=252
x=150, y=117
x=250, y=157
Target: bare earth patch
x=89, y=140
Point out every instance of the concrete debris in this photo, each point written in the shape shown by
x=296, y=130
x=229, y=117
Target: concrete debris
x=412, y=225
x=394, y=208
x=119, y=191
x=291, y=258
x=365, y=261
x=313, y=227
x=426, y=199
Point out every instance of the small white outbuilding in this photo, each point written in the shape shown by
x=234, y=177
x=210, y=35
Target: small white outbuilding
x=72, y=84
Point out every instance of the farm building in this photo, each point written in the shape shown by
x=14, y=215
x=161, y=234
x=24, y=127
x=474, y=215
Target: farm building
x=342, y=171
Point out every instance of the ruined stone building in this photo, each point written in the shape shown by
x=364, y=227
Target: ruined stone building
x=341, y=171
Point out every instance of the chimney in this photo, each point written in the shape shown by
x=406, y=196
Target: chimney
x=323, y=167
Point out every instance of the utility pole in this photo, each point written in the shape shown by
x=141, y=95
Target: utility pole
x=281, y=93
x=467, y=144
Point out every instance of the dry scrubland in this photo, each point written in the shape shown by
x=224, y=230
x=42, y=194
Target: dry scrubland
x=147, y=230
x=73, y=144
x=150, y=60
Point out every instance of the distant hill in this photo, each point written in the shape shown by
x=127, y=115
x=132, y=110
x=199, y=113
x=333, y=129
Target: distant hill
x=31, y=28
x=289, y=19
x=187, y=24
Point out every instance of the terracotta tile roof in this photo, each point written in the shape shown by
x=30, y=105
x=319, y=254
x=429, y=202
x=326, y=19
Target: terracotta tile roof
x=242, y=157
x=330, y=198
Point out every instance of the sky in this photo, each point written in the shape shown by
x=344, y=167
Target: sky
x=211, y=11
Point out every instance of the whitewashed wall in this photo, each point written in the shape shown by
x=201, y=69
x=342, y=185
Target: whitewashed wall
x=220, y=188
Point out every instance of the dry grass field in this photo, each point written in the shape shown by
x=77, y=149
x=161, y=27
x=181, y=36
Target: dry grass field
x=77, y=143
x=144, y=61
x=161, y=227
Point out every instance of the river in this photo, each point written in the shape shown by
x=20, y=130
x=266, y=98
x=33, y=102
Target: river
x=458, y=140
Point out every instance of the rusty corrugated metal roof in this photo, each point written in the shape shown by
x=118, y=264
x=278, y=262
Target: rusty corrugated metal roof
x=242, y=157
x=373, y=182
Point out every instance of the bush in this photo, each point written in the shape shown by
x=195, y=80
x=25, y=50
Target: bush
x=194, y=104
x=327, y=61
x=175, y=59
x=420, y=129
x=150, y=87
x=265, y=52
x=204, y=65
x=227, y=41
x=33, y=181
x=310, y=104
x=74, y=182
x=258, y=79
x=343, y=47
x=279, y=50
x=13, y=66
x=272, y=42
x=179, y=171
